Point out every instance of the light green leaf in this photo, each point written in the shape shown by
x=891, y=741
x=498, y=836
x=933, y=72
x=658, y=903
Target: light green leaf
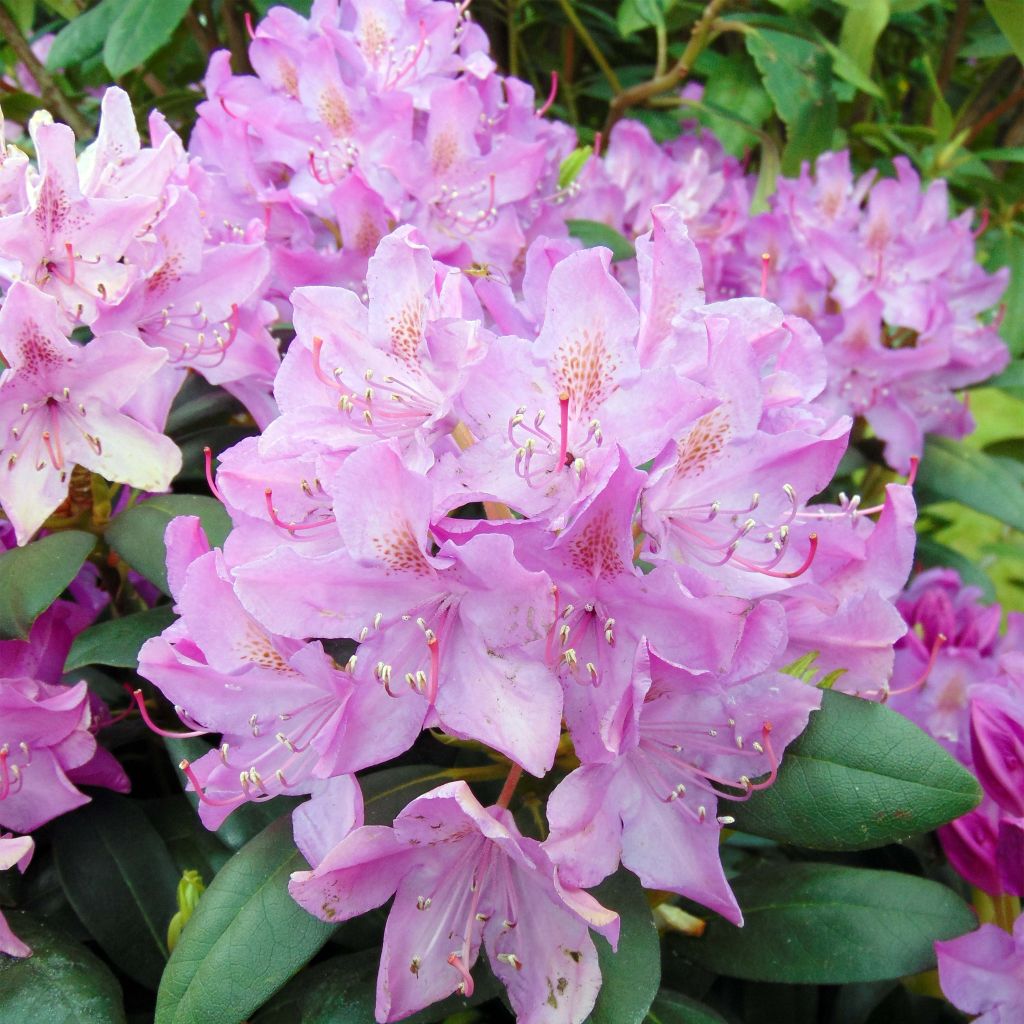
x=592, y=232
x=33, y=577
x=1009, y=16
x=860, y=776
x=140, y=29
x=863, y=23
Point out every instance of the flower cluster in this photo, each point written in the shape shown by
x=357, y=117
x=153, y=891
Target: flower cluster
x=117, y=286
x=602, y=519
x=962, y=681
x=368, y=115
x=888, y=280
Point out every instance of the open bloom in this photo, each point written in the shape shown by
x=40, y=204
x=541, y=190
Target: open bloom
x=982, y=972
x=60, y=407
x=463, y=875
x=14, y=851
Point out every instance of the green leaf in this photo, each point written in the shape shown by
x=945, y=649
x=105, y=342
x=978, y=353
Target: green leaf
x=65, y=8
x=592, y=232
x=119, y=876
x=137, y=533
x=343, y=990
x=797, y=74
x=860, y=776
x=930, y=553
x=636, y=15
x=952, y=471
x=140, y=29
x=863, y=23
x=117, y=641
x=631, y=975
x=61, y=983
x=1011, y=379
x=33, y=577
x=23, y=12
x=823, y=924
x=1009, y=16
x=674, y=1008
x=83, y=37
x=246, y=938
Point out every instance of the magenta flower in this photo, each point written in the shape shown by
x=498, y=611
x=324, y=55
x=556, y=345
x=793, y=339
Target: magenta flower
x=463, y=876
x=14, y=851
x=61, y=405
x=982, y=973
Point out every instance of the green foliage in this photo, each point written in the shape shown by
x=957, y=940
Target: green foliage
x=859, y=776
x=33, y=577
x=140, y=28
x=825, y=924
x=117, y=641
x=591, y=233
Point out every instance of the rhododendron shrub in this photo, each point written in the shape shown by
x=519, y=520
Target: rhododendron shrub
x=470, y=565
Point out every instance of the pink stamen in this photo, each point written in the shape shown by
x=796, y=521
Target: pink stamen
x=467, y=979
x=983, y=223
x=775, y=574
x=766, y=262
x=186, y=767
x=551, y=95
x=268, y=495
x=71, y=262
x=227, y=109
x=331, y=382
x=5, y=774
x=137, y=697
x=766, y=742
x=435, y=664
x=912, y=475
x=940, y=641
x=563, y=414
x=208, y=457
x=598, y=139
x=315, y=172
x=248, y=25
x=548, y=648
x=56, y=459
x=414, y=59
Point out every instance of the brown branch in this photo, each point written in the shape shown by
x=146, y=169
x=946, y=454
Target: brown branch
x=59, y=105
x=1009, y=103
x=641, y=93
x=235, y=29
x=953, y=43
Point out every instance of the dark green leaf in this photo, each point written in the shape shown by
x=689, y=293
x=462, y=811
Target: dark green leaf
x=117, y=641
x=631, y=975
x=137, y=533
x=33, y=577
x=636, y=15
x=140, y=29
x=20, y=106
x=952, y=471
x=674, y=1008
x=860, y=776
x=83, y=37
x=65, y=8
x=823, y=924
x=61, y=983
x=592, y=232
x=120, y=878
x=246, y=938
x=930, y=553
x=1011, y=379
x=191, y=845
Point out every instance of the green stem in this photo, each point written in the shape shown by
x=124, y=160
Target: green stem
x=592, y=48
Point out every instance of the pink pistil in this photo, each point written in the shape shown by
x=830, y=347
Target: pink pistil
x=563, y=416
x=137, y=697
x=940, y=640
x=268, y=495
x=551, y=95
x=208, y=457
x=766, y=262
x=324, y=378
x=435, y=664
x=186, y=767
x=467, y=979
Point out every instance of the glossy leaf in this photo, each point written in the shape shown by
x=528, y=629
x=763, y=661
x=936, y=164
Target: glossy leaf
x=137, y=533
x=952, y=471
x=83, y=37
x=823, y=924
x=117, y=641
x=674, y=1008
x=592, y=232
x=860, y=776
x=119, y=876
x=631, y=975
x=33, y=577
x=60, y=976
x=1009, y=16
x=246, y=938
x=140, y=29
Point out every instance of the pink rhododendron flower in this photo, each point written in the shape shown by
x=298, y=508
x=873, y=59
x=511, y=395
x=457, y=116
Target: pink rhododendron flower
x=982, y=973
x=15, y=851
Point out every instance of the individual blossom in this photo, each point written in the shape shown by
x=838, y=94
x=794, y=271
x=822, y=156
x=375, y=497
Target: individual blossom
x=61, y=407
x=288, y=715
x=464, y=876
x=690, y=740
x=15, y=851
x=982, y=973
